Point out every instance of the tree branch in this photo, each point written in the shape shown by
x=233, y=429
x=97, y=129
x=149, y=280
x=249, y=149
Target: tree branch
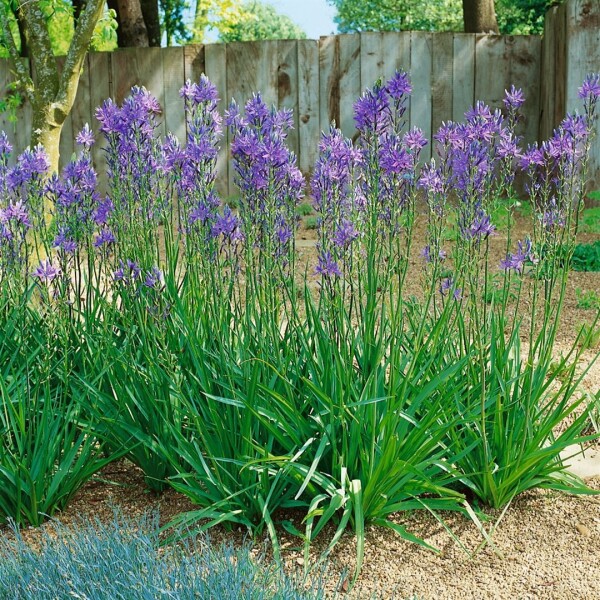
x=69, y=80
x=18, y=64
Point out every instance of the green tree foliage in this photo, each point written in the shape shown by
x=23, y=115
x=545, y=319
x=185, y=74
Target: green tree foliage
x=261, y=21
x=514, y=16
x=522, y=16
x=398, y=15
x=172, y=21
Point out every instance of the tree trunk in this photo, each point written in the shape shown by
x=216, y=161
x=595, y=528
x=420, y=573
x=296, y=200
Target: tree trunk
x=479, y=16
x=46, y=131
x=152, y=21
x=131, y=23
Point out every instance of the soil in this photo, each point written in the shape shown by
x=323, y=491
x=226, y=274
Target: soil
x=546, y=545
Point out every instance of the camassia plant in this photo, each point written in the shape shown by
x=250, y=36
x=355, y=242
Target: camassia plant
x=191, y=339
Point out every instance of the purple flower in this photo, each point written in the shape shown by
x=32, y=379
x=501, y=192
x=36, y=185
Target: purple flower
x=517, y=261
x=5, y=145
x=448, y=285
x=127, y=273
x=104, y=238
x=514, y=98
x=427, y=257
x=590, y=90
x=85, y=137
x=431, y=180
x=17, y=213
x=399, y=85
x=46, y=271
x=371, y=111
x=415, y=140
x=326, y=266
x=481, y=227
x=345, y=234
x=64, y=243
x=153, y=278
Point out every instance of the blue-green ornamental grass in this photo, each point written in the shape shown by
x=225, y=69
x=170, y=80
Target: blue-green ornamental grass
x=119, y=560
x=155, y=322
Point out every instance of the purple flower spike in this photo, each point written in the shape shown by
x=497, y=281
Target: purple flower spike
x=514, y=98
x=590, y=90
x=85, y=137
x=5, y=145
x=517, y=261
x=399, y=85
x=153, y=278
x=46, y=271
x=327, y=267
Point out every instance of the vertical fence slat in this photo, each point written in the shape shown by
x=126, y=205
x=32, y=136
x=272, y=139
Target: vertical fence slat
x=524, y=54
x=350, y=85
x=287, y=85
x=560, y=66
x=329, y=81
x=100, y=75
x=308, y=103
x=463, y=74
x=492, y=69
x=81, y=113
x=548, y=78
x=173, y=67
x=371, y=58
x=442, y=79
x=420, y=68
x=215, y=66
x=395, y=47
x=583, y=42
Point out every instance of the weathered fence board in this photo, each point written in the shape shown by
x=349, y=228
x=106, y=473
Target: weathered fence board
x=320, y=80
x=442, y=79
x=309, y=128
x=463, y=74
x=420, y=70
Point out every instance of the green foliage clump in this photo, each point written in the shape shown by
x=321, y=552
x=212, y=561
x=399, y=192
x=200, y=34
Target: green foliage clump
x=586, y=257
x=587, y=300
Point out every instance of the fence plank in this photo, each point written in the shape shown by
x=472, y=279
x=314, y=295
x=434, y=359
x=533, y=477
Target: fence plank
x=583, y=42
x=442, y=79
x=421, y=68
x=560, y=66
x=215, y=63
x=329, y=81
x=194, y=61
x=309, y=128
x=395, y=47
x=371, y=58
x=287, y=85
x=173, y=67
x=493, y=70
x=350, y=85
x=81, y=113
x=100, y=74
x=138, y=66
x=525, y=64
x=548, y=80
x=463, y=72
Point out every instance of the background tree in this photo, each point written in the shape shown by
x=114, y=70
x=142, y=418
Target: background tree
x=397, y=15
x=51, y=96
x=172, y=21
x=261, y=21
x=479, y=16
x=216, y=14
x=474, y=16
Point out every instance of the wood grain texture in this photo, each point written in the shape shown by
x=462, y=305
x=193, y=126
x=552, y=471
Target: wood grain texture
x=173, y=67
x=309, y=128
x=215, y=61
x=329, y=81
x=350, y=84
x=463, y=78
x=492, y=69
x=287, y=86
x=421, y=71
x=442, y=77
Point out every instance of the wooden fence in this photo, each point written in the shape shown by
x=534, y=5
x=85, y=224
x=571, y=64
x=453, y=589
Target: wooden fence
x=321, y=79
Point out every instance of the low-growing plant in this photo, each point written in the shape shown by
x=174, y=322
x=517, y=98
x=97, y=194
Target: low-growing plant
x=588, y=299
x=586, y=257
x=311, y=222
x=588, y=335
x=121, y=559
x=304, y=209
x=590, y=217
